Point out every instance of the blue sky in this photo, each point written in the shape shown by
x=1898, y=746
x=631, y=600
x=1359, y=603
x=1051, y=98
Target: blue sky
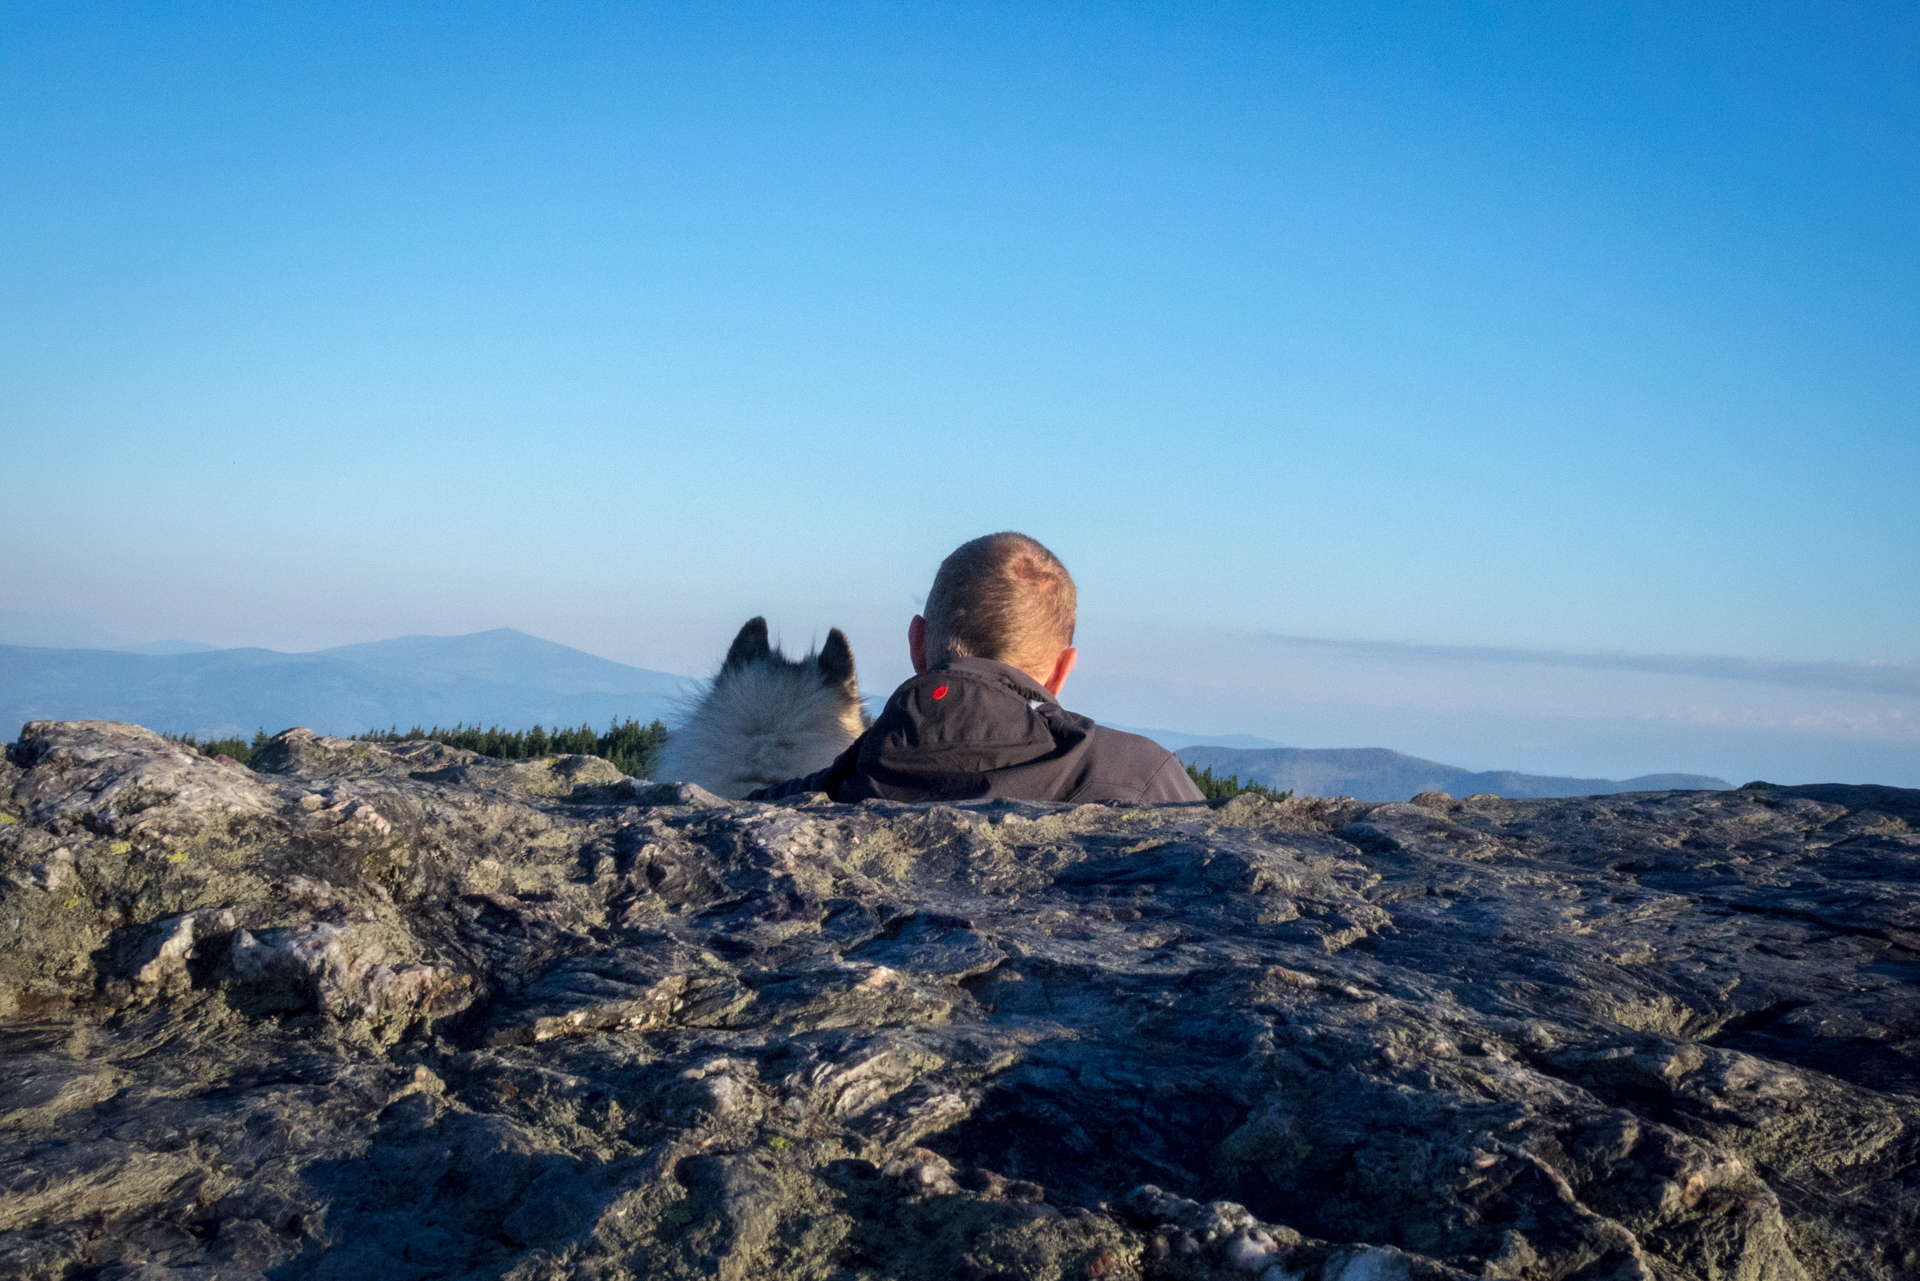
x=1589, y=331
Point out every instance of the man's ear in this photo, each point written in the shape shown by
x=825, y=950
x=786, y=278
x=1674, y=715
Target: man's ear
x=1062, y=668
x=836, y=659
x=750, y=644
x=917, y=644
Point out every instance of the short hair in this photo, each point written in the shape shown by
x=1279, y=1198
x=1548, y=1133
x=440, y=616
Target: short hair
x=1002, y=596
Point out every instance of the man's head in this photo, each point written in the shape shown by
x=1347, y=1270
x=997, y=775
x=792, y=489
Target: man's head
x=1005, y=597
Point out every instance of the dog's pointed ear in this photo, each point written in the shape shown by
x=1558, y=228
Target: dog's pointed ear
x=836, y=660
x=750, y=644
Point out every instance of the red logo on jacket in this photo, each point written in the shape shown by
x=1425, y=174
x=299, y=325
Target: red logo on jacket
x=939, y=691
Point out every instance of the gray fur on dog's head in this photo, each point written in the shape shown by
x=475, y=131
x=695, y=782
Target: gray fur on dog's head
x=765, y=718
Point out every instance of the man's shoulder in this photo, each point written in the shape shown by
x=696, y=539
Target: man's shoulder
x=1133, y=763
x=1132, y=745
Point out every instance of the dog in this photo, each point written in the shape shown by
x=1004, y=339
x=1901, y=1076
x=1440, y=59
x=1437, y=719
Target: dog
x=765, y=718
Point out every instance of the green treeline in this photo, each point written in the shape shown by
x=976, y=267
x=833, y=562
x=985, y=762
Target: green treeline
x=632, y=747
x=1229, y=785
x=238, y=748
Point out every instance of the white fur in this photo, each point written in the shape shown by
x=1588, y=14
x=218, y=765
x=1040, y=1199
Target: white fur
x=764, y=723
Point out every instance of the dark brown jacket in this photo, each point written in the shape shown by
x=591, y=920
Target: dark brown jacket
x=973, y=729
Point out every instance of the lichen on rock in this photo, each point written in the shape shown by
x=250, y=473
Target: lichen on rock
x=397, y=1010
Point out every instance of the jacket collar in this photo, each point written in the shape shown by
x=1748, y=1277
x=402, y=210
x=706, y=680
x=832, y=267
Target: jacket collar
x=1013, y=678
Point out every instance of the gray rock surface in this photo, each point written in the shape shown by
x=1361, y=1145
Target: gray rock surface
x=402, y=1012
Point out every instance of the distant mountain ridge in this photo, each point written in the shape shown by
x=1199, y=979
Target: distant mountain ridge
x=508, y=657
x=509, y=678
x=501, y=676
x=1379, y=774
x=1174, y=740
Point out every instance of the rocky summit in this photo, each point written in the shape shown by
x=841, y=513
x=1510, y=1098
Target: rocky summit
x=403, y=1012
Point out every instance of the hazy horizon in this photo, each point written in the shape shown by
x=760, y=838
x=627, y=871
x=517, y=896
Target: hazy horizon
x=1476, y=708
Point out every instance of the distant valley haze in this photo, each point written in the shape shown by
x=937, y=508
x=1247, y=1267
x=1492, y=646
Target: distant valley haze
x=500, y=677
